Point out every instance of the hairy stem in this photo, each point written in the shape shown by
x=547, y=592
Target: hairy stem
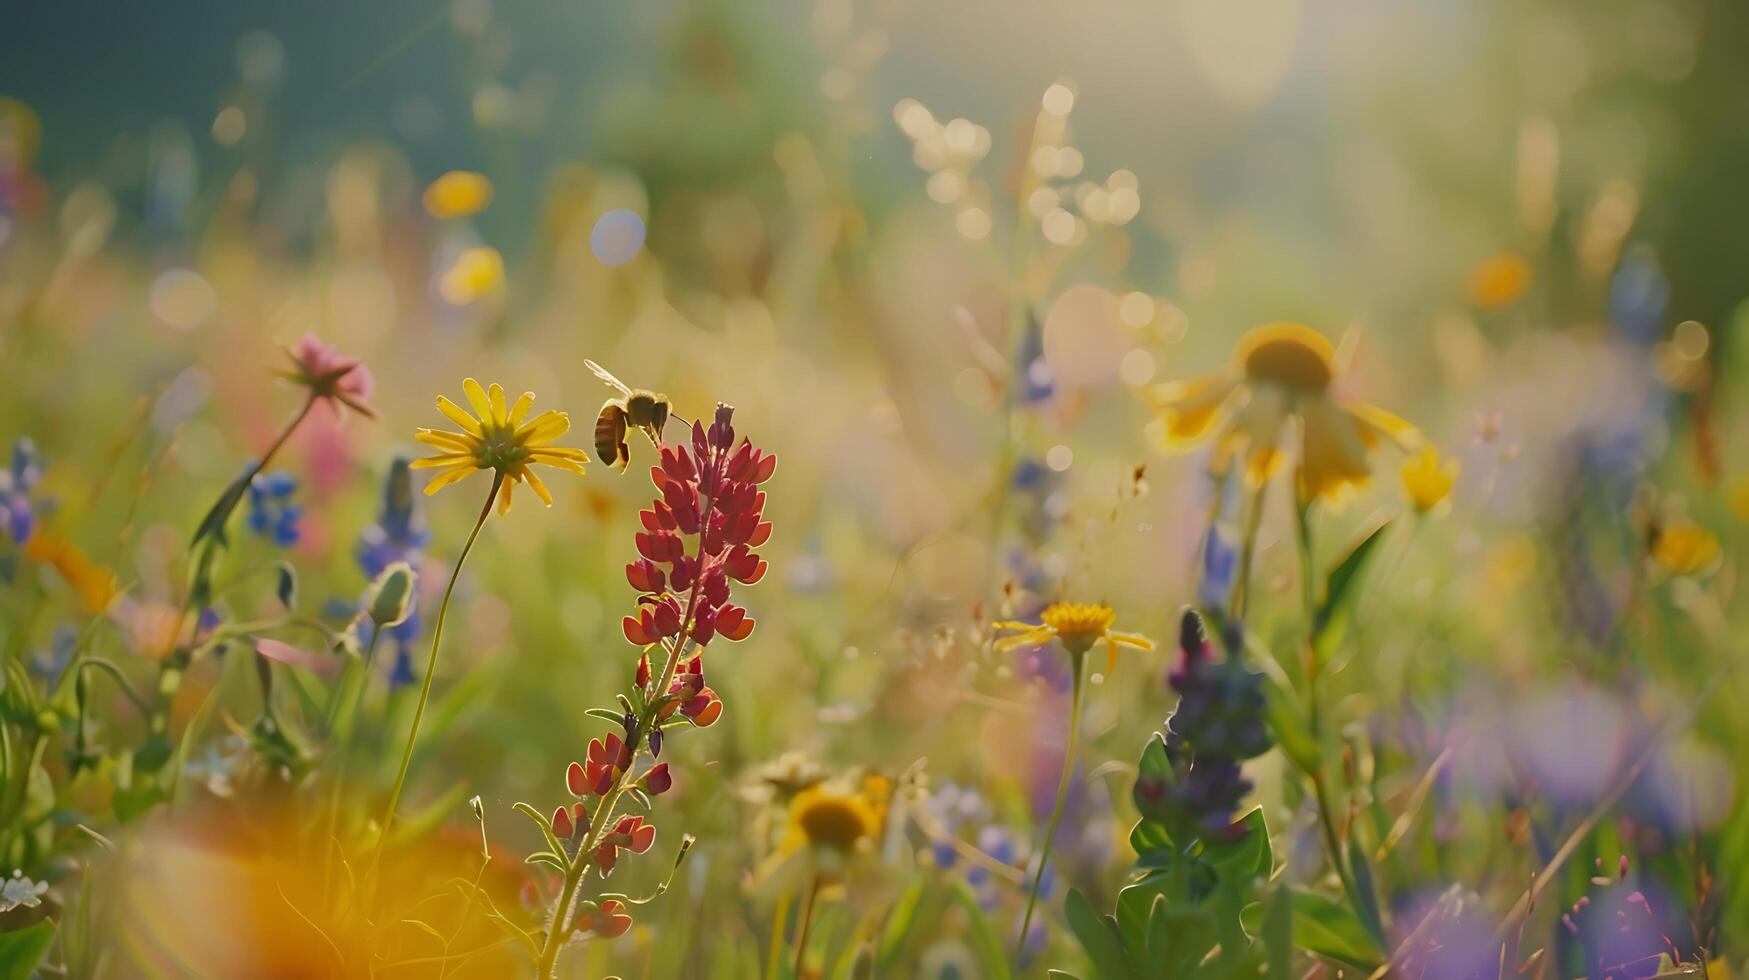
x=1079, y=659
x=388, y=820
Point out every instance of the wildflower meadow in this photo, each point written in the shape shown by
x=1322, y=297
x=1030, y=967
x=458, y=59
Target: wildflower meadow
x=1213, y=489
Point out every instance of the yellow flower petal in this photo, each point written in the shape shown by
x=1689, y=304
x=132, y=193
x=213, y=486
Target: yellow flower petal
x=477, y=398
x=444, y=459
x=447, y=477
x=495, y=395
x=459, y=416
x=1029, y=639
x=451, y=441
x=1375, y=421
x=544, y=428
x=504, y=496
x=539, y=488
x=524, y=402
x=1189, y=409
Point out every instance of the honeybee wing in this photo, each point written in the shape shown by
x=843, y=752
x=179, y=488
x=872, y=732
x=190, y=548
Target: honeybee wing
x=607, y=377
x=610, y=435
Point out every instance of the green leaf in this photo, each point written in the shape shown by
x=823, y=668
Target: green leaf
x=22, y=950
x=1365, y=898
x=606, y=714
x=898, y=926
x=1247, y=857
x=1324, y=927
x=1341, y=589
x=1098, y=935
x=986, y=942
x=1289, y=725
x=1278, y=934
x=1151, y=842
x=1159, y=945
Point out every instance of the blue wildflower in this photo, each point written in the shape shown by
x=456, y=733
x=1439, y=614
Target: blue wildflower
x=398, y=535
x=272, y=515
x=16, y=482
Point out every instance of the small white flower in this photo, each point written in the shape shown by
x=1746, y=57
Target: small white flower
x=21, y=892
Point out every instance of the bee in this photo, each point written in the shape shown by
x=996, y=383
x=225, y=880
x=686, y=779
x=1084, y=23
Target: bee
x=637, y=408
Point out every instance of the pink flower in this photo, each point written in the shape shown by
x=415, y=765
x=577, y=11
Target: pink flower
x=331, y=375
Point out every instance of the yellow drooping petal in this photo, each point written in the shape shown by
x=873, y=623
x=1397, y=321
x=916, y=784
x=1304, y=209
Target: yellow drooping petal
x=1428, y=479
x=1375, y=423
x=458, y=194
x=1189, y=409
x=1333, y=459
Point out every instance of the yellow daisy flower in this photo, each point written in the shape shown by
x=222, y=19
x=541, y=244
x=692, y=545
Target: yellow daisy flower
x=1686, y=549
x=477, y=272
x=1428, y=478
x=1499, y=280
x=498, y=440
x=1280, y=371
x=1077, y=626
x=835, y=817
x=458, y=194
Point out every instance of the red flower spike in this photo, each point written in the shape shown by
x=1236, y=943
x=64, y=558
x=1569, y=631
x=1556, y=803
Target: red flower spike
x=760, y=535
x=580, y=817
x=610, y=921
x=562, y=826
x=716, y=586
x=684, y=571
x=574, y=780
x=644, y=576
x=643, y=677
x=641, y=631
x=634, y=834
x=667, y=615
x=704, y=625
x=677, y=464
x=710, y=714
x=658, y=780
x=606, y=856
x=701, y=446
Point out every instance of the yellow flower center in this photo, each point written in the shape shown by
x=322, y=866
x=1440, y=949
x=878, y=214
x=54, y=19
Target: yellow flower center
x=837, y=822
x=499, y=449
x=1289, y=354
x=1078, y=625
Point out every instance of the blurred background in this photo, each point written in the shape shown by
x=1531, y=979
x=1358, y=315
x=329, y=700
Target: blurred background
x=932, y=253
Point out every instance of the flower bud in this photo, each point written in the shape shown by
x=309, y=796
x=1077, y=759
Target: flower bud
x=390, y=598
x=562, y=826
x=658, y=780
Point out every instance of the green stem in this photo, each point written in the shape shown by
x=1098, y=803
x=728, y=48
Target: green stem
x=1320, y=786
x=344, y=753
x=1247, y=548
x=430, y=672
x=807, y=920
x=1079, y=659
x=177, y=660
